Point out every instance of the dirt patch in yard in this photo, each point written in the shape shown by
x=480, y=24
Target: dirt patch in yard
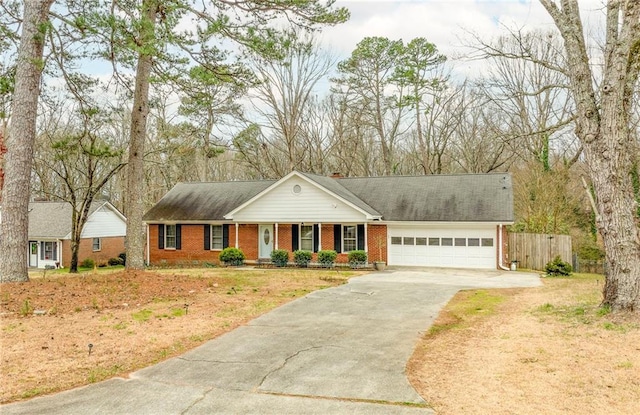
x=63, y=331
x=548, y=350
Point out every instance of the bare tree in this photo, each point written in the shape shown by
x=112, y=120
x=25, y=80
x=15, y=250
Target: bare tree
x=21, y=136
x=603, y=120
x=478, y=144
x=284, y=94
x=530, y=94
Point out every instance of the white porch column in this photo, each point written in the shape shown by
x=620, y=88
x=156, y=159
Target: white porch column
x=319, y=237
x=59, y=249
x=276, y=235
x=366, y=237
x=237, y=228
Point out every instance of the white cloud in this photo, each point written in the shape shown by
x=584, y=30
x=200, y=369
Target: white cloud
x=446, y=23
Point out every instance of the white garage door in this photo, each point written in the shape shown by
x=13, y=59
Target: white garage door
x=443, y=247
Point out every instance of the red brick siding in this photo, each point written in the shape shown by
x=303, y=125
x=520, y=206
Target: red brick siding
x=377, y=242
x=247, y=240
x=326, y=237
x=110, y=248
x=285, y=238
x=192, y=244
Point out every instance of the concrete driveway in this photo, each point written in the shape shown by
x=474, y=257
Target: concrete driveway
x=336, y=351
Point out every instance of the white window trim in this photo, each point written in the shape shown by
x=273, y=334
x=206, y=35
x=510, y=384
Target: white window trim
x=300, y=237
x=211, y=247
x=93, y=244
x=175, y=237
x=342, y=237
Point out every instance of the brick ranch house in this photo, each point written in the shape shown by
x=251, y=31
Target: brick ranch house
x=50, y=234
x=438, y=220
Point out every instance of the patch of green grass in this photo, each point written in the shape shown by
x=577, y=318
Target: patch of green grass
x=467, y=307
x=299, y=292
x=234, y=290
x=26, y=308
x=603, y=310
x=625, y=365
x=178, y=312
x=263, y=305
x=33, y=392
x=546, y=308
x=479, y=302
x=621, y=328
x=142, y=315
x=10, y=327
x=101, y=373
x=574, y=313
x=120, y=326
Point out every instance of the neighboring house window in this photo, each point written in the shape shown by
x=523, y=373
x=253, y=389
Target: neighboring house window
x=216, y=237
x=306, y=237
x=49, y=251
x=96, y=244
x=170, y=237
x=349, y=238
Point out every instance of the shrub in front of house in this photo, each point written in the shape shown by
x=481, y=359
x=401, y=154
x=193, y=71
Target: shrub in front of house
x=88, y=263
x=123, y=257
x=115, y=261
x=327, y=258
x=232, y=256
x=357, y=258
x=280, y=257
x=302, y=257
x=558, y=268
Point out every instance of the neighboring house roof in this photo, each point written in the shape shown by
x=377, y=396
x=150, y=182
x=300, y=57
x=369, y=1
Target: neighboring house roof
x=52, y=220
x=442, y=198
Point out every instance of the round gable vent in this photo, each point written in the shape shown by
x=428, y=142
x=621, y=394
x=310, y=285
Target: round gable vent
x=297, y=189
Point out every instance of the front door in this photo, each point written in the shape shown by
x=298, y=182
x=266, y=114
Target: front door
x=265, y=238
x=33, y=253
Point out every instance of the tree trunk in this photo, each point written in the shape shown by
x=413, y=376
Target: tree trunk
x=78, y=220
x=20, y=143
x=135, y=174
x=603, y=128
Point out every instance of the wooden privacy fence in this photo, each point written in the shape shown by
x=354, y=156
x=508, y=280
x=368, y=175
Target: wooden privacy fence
x=535, y=250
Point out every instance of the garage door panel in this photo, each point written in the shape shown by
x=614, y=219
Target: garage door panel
x=443, y=247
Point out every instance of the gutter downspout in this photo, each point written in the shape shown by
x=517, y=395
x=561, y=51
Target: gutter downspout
x=500, y=247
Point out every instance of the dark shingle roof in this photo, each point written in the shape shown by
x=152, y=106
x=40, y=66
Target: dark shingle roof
x=204, y=201
x=442, y=198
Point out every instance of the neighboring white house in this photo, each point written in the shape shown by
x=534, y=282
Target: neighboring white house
x=50, y=234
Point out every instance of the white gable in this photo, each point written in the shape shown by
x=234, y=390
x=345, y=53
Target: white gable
x=295, y=199
x=103, y=223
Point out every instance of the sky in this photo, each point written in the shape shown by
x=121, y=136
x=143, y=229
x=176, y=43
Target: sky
x=446, y=23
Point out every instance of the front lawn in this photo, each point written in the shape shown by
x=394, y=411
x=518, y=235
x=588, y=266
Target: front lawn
x=130, y=319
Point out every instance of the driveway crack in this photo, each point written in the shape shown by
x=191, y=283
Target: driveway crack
x=196, y=401
x=286, y=360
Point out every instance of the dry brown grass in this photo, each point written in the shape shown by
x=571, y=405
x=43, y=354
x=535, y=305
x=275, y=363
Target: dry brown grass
x=131, y=319
x=547, y=350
